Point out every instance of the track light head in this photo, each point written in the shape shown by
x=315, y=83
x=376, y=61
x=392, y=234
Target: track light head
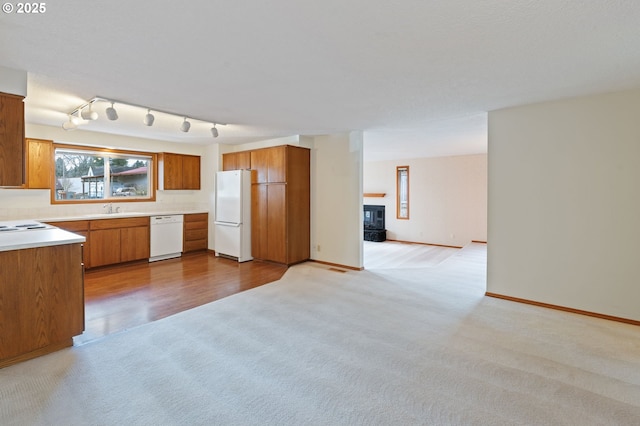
x=111, y=112
x=69, y=125
x=185, y=126
x=214, y=131
x=148, y=119
x=89, y=114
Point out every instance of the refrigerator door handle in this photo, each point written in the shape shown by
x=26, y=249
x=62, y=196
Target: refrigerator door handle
x=236, y=225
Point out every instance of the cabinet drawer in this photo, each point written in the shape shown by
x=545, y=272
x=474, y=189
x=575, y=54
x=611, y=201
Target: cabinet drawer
x=195, y=245
x=197, y=217
x=195, y=225
x=72, y=225
x=126, y=222
x=195, y=234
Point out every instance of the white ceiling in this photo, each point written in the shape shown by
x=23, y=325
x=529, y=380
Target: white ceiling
x=416, y=76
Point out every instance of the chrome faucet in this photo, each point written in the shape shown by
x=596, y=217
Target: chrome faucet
x=109, y=208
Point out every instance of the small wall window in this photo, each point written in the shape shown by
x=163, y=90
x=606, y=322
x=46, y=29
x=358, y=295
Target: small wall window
x=402, y=192
x=84, y=174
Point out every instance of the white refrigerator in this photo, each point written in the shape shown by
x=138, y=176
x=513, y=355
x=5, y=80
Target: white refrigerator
x=232, y=236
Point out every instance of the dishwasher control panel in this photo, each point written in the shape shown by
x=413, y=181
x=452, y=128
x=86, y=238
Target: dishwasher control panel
x=173, y=218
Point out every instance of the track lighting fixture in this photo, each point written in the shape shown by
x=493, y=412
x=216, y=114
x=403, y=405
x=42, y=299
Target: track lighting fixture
x=89, y=114
x=111, y=112
x=185, y=126
x=69, y=125
x=85, y=112
x=148, y=119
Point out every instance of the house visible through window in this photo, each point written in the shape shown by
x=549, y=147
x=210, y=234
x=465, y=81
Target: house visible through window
x=402, y=192
x=87, y=174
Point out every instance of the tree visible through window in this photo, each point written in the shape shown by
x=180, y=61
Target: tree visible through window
x=402, y=192
x=85, y=174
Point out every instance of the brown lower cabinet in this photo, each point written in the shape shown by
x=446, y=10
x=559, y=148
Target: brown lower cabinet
x=195, y=232
x=80, y=227
x=41, y=301
x=111, y=241
x=118, y=240
x=106, y=247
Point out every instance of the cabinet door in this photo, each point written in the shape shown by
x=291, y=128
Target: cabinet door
x=134, y=243
x=190, y=172
x=12, y=151
x=229, y=162
x=172, y=165
x=298, y=205
x=39, y=163
x=259, y=222
x=260, y=163
x=243, y=160
x=236, y=160
x=276, y=223
x=66, y=309
x=42, y=296
x=277, y=162
x=105, y=247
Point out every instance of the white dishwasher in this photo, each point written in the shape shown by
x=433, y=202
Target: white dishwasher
x=166, y=237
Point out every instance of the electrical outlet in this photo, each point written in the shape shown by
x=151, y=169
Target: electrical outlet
x=318, y=249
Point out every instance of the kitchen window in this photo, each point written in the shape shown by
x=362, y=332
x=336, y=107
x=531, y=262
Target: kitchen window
x=84, y=174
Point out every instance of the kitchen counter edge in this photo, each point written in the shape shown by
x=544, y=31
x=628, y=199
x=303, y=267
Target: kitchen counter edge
x=41, y=238
x=99, y=216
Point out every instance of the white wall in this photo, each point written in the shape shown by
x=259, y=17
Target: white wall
x=35, y=204
x=336, y=199
x=564, y=203
x=13, y=81
x=447, y=198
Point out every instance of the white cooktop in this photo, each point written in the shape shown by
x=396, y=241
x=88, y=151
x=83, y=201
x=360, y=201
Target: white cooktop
x=22, y=225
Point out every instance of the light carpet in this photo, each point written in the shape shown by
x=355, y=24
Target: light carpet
x=377, y=347
x=396, y=254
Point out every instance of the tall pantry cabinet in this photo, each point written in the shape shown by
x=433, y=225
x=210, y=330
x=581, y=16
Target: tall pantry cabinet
x=280, y=204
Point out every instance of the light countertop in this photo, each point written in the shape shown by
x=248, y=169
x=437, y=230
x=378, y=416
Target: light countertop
x=97, y=216
x=51, y=236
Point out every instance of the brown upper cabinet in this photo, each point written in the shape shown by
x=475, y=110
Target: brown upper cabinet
x=236, y=161
x=39, y=163
x=12, y=145
x=178, y=171
x=270, y=164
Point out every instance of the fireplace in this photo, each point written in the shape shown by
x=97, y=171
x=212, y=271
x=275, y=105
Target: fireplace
x=374, y=228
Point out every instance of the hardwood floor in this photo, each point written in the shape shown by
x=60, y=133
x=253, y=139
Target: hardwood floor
x=121, y=297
